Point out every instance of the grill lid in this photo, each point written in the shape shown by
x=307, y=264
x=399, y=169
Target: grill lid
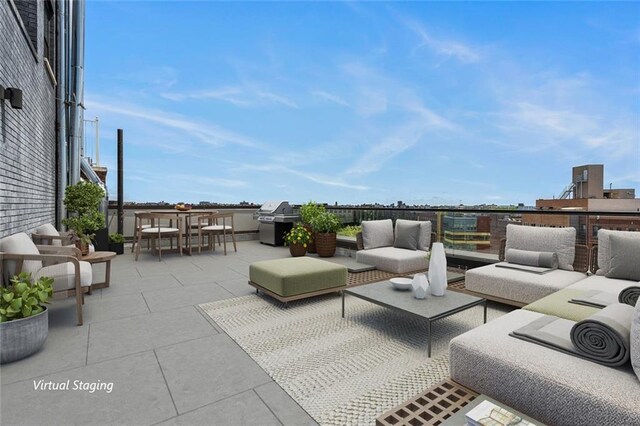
x=275, y=207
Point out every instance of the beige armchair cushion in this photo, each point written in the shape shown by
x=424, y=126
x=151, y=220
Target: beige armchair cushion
x=377, y=233
x=63, y=275
x=49, y=229
x=19, y=243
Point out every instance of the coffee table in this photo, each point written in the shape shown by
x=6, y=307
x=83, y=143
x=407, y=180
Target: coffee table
x=101, y=257
x=432, y=308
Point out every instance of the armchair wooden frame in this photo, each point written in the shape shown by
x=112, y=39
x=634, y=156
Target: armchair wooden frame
x=51, y=255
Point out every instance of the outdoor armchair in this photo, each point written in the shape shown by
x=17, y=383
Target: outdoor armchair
x=162, y=225
x=218, y=224
x=47, y=234
x=70, y=275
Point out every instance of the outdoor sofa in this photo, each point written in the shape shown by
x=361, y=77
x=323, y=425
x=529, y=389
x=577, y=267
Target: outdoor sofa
x=400, y=249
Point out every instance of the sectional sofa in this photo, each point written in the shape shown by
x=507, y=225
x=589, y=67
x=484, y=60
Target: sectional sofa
x=548, y=385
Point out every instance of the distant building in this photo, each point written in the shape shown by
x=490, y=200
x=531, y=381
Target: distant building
x=586, y=193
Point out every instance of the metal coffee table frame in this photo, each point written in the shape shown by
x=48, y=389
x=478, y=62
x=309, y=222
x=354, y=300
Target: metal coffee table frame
x=394, y=299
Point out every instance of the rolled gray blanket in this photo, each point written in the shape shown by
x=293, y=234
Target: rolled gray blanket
x=629, y=295
x=595, y=298
x=605, y=336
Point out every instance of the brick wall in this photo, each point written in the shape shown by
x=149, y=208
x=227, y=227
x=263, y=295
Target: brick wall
x=27, y=136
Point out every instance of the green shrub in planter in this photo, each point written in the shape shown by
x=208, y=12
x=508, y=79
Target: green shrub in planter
x=326, y=223
x=116, y=243
x=83, y=202
x=24, y=298
x=309, y=211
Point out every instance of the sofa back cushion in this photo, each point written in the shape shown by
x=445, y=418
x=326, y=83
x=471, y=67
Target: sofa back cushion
x=424, y=238
x=49, y=229
x=377, y=233
x=556, y=240
x=604, y=247
x=19, y=244
x=635, y=340
x=407, y=235
x=625, y=258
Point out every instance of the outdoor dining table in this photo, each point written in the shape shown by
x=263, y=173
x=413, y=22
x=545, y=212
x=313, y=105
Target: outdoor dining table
x=187, y=215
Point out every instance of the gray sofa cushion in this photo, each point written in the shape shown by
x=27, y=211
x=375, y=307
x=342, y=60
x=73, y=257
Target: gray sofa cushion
x=407, y=235
x=551, y=387
x=600, y=283
x=393, y=259
x=543, y=259
x=377, y=233
x=519, y=286
x=625, y=258
x=635, y=341
x=604, y=251
x=558, y=240
x=424, y=240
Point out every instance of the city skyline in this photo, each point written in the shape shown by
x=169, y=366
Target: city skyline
x=429, y=103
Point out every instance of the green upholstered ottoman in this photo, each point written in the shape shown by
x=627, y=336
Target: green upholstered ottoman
x=297, y=277
x=557, y=304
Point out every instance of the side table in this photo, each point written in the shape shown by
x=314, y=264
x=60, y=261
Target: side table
x=101, y=257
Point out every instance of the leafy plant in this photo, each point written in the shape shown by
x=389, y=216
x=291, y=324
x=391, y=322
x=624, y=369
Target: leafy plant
x=24, y=298
x=326, y=222
x=298, y=235
x=83, y=201
x=309, y=211
x=116, y=238
x=350, y=231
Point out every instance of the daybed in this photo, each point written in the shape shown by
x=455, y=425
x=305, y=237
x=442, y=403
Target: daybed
x=399, y=250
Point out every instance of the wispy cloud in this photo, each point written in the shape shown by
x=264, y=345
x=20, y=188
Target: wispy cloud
x=242, y=96
x=200, y=180
x=204, y=132
x=329, y=97
x=323, y=180
x=448, y=48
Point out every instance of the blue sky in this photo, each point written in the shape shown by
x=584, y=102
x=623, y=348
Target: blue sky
x=438, y=102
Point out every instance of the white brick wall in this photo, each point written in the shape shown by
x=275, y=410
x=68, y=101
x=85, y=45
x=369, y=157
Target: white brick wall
x=27, y=136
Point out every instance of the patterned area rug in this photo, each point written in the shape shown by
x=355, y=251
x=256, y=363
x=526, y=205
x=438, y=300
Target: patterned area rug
x=342, y=371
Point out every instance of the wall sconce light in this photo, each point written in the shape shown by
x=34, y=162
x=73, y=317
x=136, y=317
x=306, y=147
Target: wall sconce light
x=13, y=95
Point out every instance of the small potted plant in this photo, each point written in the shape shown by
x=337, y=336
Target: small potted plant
x=325, y=226
x=308, y=211
x=298, y=240
x=83, y=202
x=24, y=320
x=116, y=243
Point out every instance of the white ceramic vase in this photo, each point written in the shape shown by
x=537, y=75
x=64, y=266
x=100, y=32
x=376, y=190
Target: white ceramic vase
x=420, y=285
x=438, y=270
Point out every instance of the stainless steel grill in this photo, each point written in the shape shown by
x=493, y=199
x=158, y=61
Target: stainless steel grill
x=275, y=218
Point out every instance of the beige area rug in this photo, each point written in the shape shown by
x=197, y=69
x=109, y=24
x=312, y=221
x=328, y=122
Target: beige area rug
x=342, y=371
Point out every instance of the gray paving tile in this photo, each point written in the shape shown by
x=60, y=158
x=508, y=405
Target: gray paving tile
x=238, y=287
x=161, y=300
x=116, y=307
x=239, y=410
x=141, y=284
x=116, y=338
x=210, y=274
x=223, y=369
x=64, y=349
x=139, y=396
x=286, y=409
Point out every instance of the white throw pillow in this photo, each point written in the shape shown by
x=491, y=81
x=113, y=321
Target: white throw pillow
x=635, y=341
x=377, y=233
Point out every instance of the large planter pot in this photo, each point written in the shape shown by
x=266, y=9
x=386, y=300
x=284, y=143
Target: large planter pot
x=297, y=250
x=311, y=246
x=325, y=243
x=117, y=248
x=23, y=337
